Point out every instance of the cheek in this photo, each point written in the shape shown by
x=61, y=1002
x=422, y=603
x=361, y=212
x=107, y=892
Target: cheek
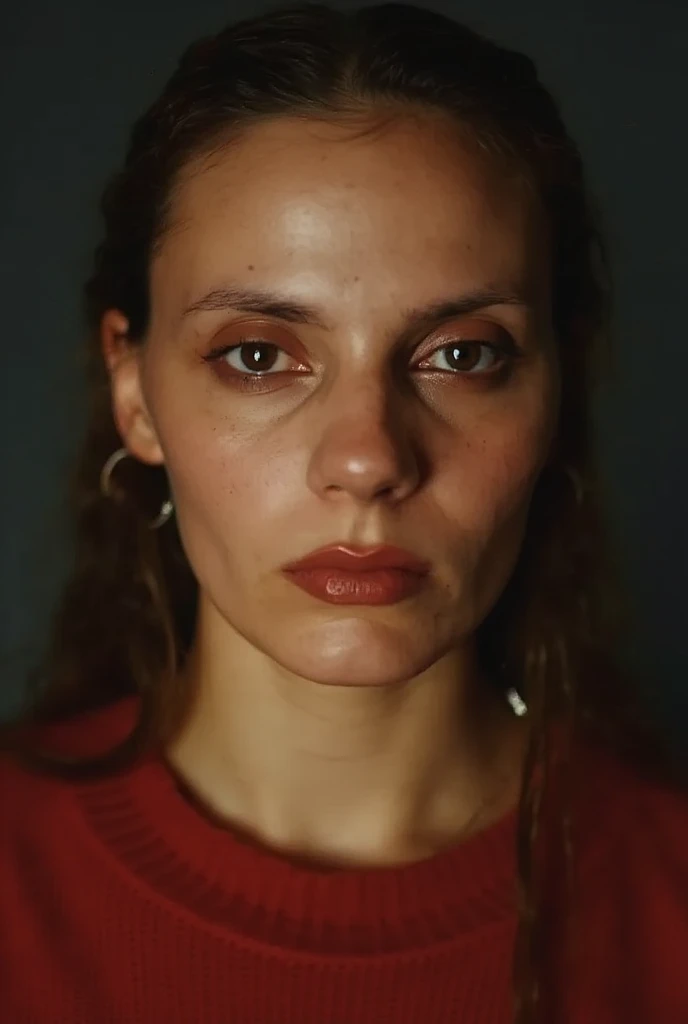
x=225, y=487
x=485, y=502
x=495, y=474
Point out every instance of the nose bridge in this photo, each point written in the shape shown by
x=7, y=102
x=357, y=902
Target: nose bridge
x=365, y=443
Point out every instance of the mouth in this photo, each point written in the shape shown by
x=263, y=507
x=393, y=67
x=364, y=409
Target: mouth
x=350, y=558
x=342, y=574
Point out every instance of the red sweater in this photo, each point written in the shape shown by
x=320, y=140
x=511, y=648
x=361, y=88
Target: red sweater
x=120, y=903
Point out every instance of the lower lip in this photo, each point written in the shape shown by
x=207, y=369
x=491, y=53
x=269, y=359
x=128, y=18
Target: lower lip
x=336, y=586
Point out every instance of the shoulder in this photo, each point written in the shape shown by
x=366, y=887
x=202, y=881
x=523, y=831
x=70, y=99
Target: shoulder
x=628, y=831
x=618, y=936
x=81, y=733
x=34, y=801
x=616, y=807
x=630, y=890
x=630, y=816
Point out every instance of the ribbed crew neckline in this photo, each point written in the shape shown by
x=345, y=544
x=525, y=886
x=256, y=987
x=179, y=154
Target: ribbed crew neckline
x=223, y=876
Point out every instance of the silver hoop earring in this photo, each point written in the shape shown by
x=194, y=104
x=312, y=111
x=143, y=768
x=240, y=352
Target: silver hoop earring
x=518, y=705
x=166, y=510
x=167, y=506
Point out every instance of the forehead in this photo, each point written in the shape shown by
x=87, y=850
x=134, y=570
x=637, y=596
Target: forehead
x=412, y=205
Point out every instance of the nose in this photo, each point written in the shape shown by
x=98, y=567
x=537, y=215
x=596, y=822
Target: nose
x=366, y=451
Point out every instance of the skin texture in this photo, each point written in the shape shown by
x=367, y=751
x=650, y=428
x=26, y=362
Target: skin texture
x=346, y=733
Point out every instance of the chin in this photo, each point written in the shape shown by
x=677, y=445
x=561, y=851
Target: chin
x=356, y=653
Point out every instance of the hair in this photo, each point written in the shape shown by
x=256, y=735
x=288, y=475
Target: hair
x=125, y=618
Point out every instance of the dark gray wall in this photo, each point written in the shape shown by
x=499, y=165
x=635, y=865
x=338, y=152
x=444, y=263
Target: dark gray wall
x=73, y=76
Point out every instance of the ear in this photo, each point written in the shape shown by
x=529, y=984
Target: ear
x=129, y=409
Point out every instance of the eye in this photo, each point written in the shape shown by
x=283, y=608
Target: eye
x=473, y=358
x=253, y=358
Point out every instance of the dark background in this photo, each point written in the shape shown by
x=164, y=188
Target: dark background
x=72, y=79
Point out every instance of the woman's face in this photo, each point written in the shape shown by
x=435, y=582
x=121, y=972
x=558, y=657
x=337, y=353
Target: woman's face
x=375, y=418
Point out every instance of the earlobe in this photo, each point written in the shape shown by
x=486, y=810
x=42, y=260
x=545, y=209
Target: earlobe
x=129, y=408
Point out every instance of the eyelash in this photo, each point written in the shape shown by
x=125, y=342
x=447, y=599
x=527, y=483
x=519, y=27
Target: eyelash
x=510, y=352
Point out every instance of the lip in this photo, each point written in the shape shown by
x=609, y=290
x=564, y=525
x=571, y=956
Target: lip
x=345, y=574
x=371, y=587
x=352, y=559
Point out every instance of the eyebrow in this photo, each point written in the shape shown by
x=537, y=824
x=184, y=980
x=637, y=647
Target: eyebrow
x=270, y=303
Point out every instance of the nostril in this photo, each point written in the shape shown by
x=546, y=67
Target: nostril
x=385, y=492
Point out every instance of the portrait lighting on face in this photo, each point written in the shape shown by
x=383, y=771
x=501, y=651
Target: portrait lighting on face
x=333, y=722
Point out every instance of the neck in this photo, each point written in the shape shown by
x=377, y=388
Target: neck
x=350, y=774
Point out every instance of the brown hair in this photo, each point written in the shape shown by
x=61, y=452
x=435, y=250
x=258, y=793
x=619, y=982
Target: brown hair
x=126, y=616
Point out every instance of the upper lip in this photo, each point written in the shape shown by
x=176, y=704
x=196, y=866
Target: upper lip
x=353, y=558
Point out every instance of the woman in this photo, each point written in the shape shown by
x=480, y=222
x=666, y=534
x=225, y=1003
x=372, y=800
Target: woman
x=333, y=726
